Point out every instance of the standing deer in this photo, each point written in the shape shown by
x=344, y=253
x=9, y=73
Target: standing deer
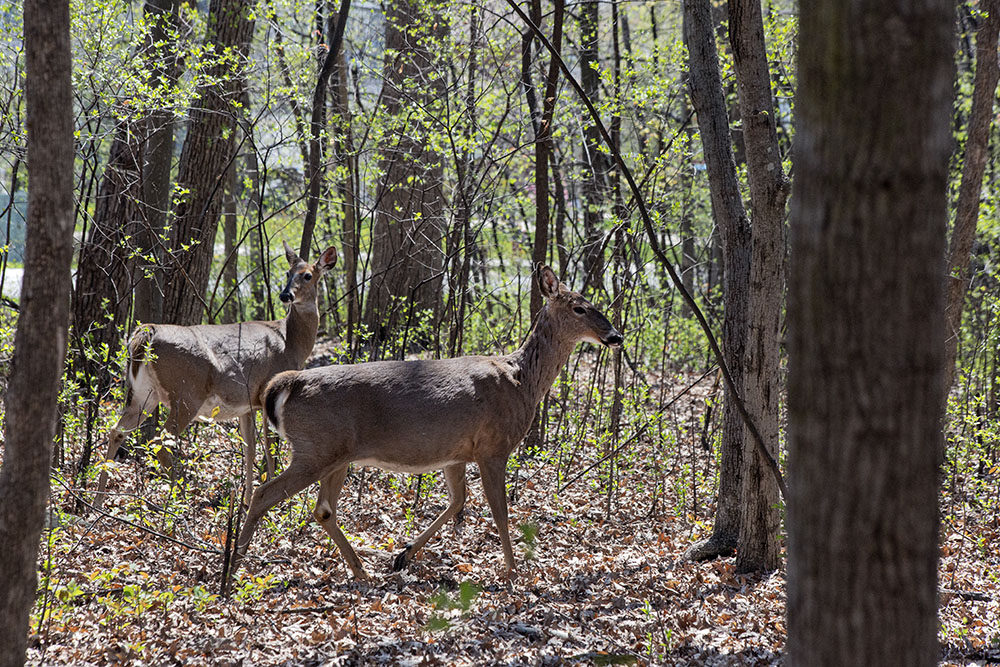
x=416, y=416
x=218, y=371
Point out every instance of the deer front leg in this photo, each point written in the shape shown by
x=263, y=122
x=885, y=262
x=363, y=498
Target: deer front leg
x=493, y=472
x=454, y=475
x=130, y=419
x=326, y=514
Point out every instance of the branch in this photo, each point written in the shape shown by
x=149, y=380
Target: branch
x=655, y=245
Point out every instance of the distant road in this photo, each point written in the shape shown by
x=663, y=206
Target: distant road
x=12, y=283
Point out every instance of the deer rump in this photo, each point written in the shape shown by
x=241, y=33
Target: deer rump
x=227, y=363
x=405, y=416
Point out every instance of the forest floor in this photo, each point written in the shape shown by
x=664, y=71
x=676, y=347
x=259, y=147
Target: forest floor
x=600, y=577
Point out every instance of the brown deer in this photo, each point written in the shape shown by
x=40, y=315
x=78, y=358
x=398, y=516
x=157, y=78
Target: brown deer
x=416, y=416
x=218, y=371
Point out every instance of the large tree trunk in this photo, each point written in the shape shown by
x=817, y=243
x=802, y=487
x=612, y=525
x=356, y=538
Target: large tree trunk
x=40, y=340
x=865, y=332
x=731, y=218
x=760, y=523
x=208, y=151
x=967, y=209
x=407, y=252
x=103, y=291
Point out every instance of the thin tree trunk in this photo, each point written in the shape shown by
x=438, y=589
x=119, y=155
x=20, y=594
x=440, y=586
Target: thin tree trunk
x=344, y=148
x=731, y=219
x=315, y=172
x=148, y=304
x=543, y=151
x=593, y=186
x=760, y=523
x=40, y=339
x=205, y=158
x=865, y=331
x=967, y=209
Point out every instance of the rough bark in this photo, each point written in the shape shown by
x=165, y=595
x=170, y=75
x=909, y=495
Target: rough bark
x=315, y=171
x=103, y=290
x=594, y=184
x=208, y=150
x=865, y=330
x=709, y=103
x=760, y=523
x=967, y=208
x=544, y=151
x=158, y=160
x=40, y=339
x=407, y=252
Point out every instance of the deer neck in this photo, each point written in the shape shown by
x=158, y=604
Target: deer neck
x=541, y=357
x=301, y=324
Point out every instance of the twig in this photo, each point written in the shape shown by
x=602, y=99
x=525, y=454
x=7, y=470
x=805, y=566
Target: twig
x=160, y=535
x=634, y=436
x=654, y=244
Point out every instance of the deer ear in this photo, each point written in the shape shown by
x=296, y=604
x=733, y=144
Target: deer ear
x=328, y=259
x=290, y=255
x=548, y=283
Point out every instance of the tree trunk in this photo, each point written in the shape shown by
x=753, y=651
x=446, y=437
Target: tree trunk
x=760, y=522
x=208, y=151
x=148, y=304
x=103, y=291
x=967, y=209
x=865, y=331
x=594, y=179
x=731, y=219
x=40, y=339
x=407, y=252
x=543, y=155
x=346, y=156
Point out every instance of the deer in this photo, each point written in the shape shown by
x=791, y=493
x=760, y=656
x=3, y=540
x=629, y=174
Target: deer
x=217, y=372
x=420, y=415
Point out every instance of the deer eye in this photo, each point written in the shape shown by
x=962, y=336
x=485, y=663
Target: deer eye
x=579, y=310
x=307, y=277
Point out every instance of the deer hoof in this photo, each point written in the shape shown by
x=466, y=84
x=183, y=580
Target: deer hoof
x=402, y=559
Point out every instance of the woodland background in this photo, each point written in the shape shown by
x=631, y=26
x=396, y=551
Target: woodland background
x=440, y=148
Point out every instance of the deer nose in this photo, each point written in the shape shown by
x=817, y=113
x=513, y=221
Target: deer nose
x=286, y=296
x=614, y=339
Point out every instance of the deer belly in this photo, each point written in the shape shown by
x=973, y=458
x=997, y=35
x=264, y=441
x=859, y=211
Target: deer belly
x=402, y=466
x=215, y=409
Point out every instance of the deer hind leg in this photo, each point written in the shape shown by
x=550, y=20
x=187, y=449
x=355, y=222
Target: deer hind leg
x=268, y=455
x=493, y=473
x=130, y=419
x=455, y=477
x=249, y=434
x=326, y=515
x=180, y=417
x=296, y=477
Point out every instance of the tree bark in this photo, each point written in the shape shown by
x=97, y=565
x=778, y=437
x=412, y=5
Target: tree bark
x=865, y=330
x=709, y=103
x=543, y=153
x=760, y=523
x=158, y=160
x=103, y=290
x=967, y=208
x=40, y=339
x=594, y=184
x=208, y=150
x=407, y=252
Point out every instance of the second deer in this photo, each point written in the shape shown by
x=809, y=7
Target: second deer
x=416, y=416
x=218, y=371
